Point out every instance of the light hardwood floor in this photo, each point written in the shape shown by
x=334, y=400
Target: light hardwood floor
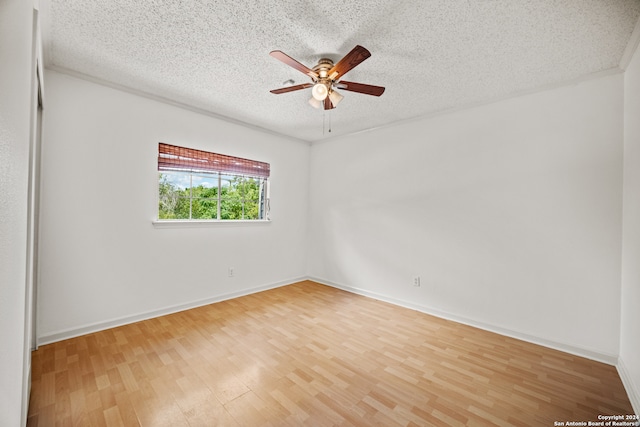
x=308, y=354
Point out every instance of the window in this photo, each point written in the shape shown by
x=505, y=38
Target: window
x=198, y=185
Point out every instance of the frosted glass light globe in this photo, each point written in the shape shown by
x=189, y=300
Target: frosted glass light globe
x=319, y=91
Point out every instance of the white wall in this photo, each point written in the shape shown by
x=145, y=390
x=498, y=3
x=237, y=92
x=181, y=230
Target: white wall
x=630, y=325
x=509, y=212
x=102, y=260
x=15, y=94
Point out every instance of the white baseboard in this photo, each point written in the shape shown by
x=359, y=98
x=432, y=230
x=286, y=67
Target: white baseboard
x=632, y=391
x=609, y=359
x=100, y=326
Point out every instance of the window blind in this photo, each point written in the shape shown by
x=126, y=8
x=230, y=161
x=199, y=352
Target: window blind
x=172, y=157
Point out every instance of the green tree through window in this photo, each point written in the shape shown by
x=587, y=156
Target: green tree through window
x=210, y=196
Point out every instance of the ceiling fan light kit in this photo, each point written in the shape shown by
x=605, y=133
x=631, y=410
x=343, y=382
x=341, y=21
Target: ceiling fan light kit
x=335, y=97
x=319, y=91
x=326, y=75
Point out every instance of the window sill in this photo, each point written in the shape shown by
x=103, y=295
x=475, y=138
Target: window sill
x=207, y=223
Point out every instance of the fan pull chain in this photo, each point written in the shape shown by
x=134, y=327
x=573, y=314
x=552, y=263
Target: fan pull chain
x=324, y=122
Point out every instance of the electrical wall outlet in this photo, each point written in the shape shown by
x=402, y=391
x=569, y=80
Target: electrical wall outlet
x=231, y=271
x=416, y=281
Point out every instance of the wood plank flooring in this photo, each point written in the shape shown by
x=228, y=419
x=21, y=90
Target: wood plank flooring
x=308, y=354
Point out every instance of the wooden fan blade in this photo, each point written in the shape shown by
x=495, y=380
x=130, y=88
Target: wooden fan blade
x=283, y=57
x=327, y=104
x=360, y=88
x=350, y=60
x=291, y=88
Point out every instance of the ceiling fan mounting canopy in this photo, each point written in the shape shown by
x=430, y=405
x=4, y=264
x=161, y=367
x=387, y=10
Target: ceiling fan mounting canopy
x=323, y=64
x=326, y=77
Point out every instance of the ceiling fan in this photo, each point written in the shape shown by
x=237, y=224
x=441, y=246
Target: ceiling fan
x=325, y=78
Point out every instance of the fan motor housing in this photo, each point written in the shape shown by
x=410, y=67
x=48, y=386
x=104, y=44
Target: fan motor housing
x=323, y=67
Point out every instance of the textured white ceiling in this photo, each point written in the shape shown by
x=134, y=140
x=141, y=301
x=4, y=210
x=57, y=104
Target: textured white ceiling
x=430, y=55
